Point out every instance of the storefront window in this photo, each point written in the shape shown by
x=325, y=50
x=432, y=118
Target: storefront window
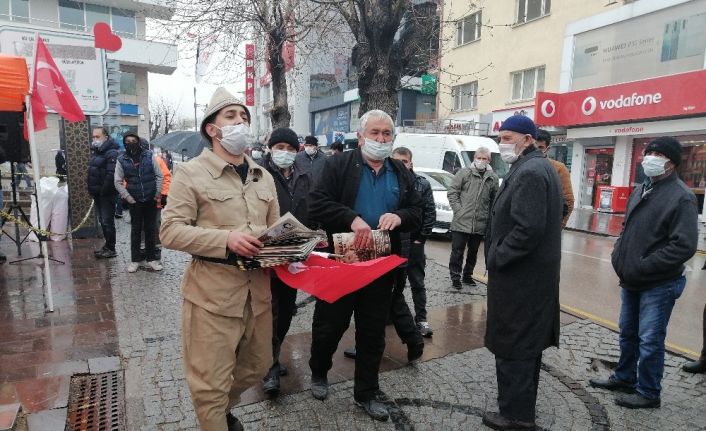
x=693, y=161
x=127, y=83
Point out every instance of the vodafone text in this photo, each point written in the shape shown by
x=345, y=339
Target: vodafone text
x=635, y=99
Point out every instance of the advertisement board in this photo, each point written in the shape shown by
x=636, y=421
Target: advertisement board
x=669, y=41
x=81, y=64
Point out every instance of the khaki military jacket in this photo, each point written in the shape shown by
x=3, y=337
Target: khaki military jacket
x=207, y=200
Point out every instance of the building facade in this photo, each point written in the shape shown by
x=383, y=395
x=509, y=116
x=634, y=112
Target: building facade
x=111, y=88
x=629, y=75
x=496, y=54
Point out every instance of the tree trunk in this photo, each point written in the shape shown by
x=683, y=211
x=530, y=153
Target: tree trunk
x=279, y=113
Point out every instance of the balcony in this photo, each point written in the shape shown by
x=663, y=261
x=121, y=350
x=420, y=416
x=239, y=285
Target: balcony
x=157, y=9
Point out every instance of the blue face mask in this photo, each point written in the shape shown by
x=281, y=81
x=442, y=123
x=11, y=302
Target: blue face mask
x=283, y=158
x=374, y=150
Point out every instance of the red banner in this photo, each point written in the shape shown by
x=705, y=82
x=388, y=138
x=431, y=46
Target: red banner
x=249, y=74
x=667, y=96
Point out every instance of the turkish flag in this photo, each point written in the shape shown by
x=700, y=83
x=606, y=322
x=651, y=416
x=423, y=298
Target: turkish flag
x=49, y=89
x=330, y=280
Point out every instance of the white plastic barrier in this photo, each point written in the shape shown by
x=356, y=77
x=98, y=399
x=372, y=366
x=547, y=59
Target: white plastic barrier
x=60, y=213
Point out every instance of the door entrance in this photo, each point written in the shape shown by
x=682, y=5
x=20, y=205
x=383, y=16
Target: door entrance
x=597, y=172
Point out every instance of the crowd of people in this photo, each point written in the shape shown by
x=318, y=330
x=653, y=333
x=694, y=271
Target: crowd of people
x=234, y=322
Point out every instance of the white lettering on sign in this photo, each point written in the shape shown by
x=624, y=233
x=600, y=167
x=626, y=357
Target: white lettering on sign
x=632, y=100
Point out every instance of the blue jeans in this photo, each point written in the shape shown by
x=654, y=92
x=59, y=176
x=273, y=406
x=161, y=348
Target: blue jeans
x=643, y=328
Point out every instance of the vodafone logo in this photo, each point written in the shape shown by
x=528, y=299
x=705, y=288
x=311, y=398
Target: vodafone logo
x=548, y=108
x=589, y=105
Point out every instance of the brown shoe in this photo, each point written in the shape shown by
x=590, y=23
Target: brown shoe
x=497, y=422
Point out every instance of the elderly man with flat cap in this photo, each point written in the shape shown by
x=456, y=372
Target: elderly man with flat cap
x=523, y=254
x=219, y=202
x=659, y=236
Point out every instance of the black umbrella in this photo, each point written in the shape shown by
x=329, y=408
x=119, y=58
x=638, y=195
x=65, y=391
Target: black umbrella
x=190, y=144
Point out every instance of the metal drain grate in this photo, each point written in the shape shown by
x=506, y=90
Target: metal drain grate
x=97, y=403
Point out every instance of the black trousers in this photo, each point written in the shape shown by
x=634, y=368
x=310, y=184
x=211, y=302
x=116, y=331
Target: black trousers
x=416, y=266
x=459, y=242
x=283, y=304
x=518, y=380
x=401, y=317
x=105, y=210
x=370, y=307
x=703, y=349
x=143, y=218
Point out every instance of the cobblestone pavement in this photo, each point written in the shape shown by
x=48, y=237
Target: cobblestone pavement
x=451, y=392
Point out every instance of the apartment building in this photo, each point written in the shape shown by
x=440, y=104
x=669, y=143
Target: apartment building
x=111, y=88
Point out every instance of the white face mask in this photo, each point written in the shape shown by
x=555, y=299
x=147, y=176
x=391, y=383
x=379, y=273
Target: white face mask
x=507, y=153
x=96, y=143
x=310, y=150
x=283, y=158
x=374, y=150
x=654, y=166
x=480, y=164
x=235, y=139
x=256, y=154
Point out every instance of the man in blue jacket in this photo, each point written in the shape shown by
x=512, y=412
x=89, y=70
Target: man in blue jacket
x=101, y=169
x=659, y=235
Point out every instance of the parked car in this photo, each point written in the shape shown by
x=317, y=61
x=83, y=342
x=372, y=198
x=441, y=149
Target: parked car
x=440, y=181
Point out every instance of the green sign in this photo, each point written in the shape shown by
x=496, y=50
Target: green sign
x=428, y=84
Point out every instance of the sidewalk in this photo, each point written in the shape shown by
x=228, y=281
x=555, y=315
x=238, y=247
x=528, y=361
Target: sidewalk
x=607, y=224
x=103, y=311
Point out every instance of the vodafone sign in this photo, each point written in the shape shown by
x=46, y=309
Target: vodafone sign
x=667, y=96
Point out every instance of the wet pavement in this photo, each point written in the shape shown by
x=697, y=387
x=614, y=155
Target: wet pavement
x=104, y=312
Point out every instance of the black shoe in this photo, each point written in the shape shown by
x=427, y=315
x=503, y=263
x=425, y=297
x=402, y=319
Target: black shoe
x=468, y=280
x=696, y=367
x=613, y=384
x=425, y=329
x=233, y=423
x=283, y=371
x=349, y=353
x=415, y=351
x=497, y=422
x=381, y=396
x=118, y=215
x=319, y=387
x=99, y=253
x=3, y=259
x=107, y=254
x=637, y=401
x=456, y=284
x=270, y=384
x=375, y=409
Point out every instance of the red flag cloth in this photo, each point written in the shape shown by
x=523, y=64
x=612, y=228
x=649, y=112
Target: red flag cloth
x=49, y=89
x=330, y=280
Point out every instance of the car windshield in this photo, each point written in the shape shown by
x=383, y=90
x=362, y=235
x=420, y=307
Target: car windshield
x=438, y=180
x=496, y=162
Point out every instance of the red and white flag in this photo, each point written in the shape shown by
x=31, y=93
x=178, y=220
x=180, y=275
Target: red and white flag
x=330, y=280
x=50, y=90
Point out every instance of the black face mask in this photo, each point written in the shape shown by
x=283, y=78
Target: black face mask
x=133, y=149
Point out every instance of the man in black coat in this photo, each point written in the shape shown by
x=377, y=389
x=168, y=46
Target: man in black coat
x=660, y=235
x=293, y=188
x=359, y=191
x=101, y=168
x=523, y=254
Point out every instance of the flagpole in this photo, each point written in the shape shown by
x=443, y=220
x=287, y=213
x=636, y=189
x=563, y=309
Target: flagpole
x=34, y=155
x=196, y=79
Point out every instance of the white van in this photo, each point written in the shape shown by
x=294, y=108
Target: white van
x=448, y=152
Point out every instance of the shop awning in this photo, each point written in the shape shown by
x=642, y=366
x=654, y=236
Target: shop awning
x=14, y=82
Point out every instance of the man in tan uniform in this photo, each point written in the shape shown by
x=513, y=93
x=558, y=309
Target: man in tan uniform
x=218, y=204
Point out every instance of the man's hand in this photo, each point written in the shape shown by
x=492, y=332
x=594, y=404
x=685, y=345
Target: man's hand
x=130, y=200
x=244, y=244
x=389, y=221
x=363, y=234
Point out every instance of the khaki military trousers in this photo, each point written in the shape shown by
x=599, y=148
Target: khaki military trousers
x=223, y=356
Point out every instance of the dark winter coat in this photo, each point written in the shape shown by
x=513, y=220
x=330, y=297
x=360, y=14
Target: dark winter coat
x=333, y=198
x=140, y=176
x=101, y=168
x=292, y=195
x=660, y=235
x=523, y=254
x=314, y=165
